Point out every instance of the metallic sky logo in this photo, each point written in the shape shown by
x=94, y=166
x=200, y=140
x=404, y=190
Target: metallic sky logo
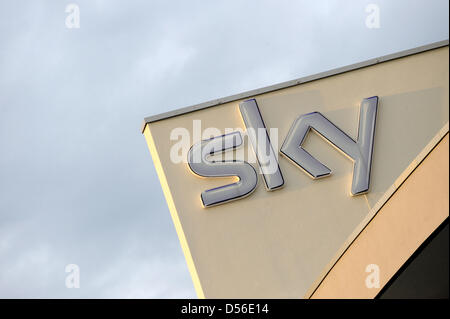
x=359, y=151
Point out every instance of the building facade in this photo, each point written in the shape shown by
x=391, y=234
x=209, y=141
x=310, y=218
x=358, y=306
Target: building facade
x=351, y=188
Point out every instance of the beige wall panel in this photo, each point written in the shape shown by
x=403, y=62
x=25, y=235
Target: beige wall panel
x=277, y=244
x=417, y=208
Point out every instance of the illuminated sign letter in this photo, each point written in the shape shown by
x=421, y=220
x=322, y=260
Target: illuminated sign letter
x=360, y=151
x=257, y=134
x=200, y=165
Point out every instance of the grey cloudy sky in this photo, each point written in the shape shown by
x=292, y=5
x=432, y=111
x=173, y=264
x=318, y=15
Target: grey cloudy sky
x=77, y=183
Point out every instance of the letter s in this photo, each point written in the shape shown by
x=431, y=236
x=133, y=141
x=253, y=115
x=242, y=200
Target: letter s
x=200, y=165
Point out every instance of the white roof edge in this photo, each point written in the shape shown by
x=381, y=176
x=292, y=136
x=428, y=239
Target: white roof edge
x=317, y=76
